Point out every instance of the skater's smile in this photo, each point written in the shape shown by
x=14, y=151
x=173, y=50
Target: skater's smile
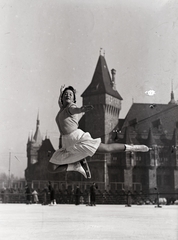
x=68, y=97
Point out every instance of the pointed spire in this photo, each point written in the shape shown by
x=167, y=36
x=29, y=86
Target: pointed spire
x=127, y=137
x=28, y=138
x=38, y=121
x=32, y=139
x=37, y=136
x=113, y=73
x=46, y=136
x=102, y=51
x=150, y=141
x=172, y=101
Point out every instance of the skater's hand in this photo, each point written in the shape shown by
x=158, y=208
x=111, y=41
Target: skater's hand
x=87, y=108
x=62, y=89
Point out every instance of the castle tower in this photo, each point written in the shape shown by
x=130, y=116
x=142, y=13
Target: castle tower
x=103, y=119
x=34, y=145
x=37, y=136
x=102, y=94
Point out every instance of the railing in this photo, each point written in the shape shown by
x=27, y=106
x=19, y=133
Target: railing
x=114, y=186
x=102, y=197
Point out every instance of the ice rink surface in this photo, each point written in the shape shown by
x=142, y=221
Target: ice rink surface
x=70, y=222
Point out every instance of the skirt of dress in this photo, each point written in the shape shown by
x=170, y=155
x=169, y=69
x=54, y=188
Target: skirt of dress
x=75, y=146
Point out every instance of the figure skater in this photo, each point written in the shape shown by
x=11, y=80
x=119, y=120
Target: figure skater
x=76, y=144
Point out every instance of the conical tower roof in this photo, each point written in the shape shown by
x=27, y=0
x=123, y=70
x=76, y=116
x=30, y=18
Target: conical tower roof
x=37, y=136
x=127, y=136
x=150, y=140
x=172, y=101
x=101, y=82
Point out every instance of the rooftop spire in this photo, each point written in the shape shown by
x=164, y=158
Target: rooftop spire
x=151, y=141
x=38, y=121
x=28, y=138
x=37, y=136
x=172, y=101
x=113, y=74
x=102, y=52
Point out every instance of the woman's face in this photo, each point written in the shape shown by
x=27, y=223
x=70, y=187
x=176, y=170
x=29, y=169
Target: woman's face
x=68, y=97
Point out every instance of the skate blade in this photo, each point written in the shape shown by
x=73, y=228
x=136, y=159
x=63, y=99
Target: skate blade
x=87, y=170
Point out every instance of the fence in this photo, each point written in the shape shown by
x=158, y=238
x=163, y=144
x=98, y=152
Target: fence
x=102, y=197
x=114, y=186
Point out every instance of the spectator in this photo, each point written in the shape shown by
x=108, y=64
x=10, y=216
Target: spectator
x=87, y=200
x=77, y=195
x=129, y=198
x=52, y=194
x=3, y=191
x=28, y=194
x=93, y=194
x=35, y=196
x=45, y=195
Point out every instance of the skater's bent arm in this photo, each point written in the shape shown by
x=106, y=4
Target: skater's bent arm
x=61, y=91
x=76, y=110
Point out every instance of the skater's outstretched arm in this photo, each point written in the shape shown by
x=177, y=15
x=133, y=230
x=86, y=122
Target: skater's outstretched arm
x=83, y=109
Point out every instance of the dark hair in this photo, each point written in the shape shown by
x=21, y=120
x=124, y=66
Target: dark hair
x=71, y=89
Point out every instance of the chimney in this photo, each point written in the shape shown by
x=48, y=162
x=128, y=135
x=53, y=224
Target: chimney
x=113, y=73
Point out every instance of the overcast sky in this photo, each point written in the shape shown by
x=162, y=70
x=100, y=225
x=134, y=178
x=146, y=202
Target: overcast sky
x=47, y=43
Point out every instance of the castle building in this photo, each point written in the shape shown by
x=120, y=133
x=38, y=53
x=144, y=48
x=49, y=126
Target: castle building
x=155, y=125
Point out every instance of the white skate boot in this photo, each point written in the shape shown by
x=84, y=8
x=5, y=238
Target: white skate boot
x=136, y=148
x=77, y=167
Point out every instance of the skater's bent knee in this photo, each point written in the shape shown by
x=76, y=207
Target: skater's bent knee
x=53, y=168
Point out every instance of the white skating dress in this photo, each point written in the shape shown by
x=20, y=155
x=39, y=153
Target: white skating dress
x=76, y=144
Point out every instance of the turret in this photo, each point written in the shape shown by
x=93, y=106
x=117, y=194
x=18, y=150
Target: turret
x=172, y=101
x=113, y=73
x=37, y=136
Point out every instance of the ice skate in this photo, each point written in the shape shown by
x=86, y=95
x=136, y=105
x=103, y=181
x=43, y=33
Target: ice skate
x=53, y=168
x=136, y=148
x=77, y=167
x=86, y=167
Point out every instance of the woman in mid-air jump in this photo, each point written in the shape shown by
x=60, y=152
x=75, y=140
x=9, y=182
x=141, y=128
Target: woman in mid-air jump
x=76, y=144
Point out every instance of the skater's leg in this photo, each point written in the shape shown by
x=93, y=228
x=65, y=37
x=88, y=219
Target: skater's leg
x=77, y=167
x=56, y=168
x=53, y=168
x=110, y=148
x=120, y=147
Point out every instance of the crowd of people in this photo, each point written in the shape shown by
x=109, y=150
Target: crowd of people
x=51, y=195
x=48, y=195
